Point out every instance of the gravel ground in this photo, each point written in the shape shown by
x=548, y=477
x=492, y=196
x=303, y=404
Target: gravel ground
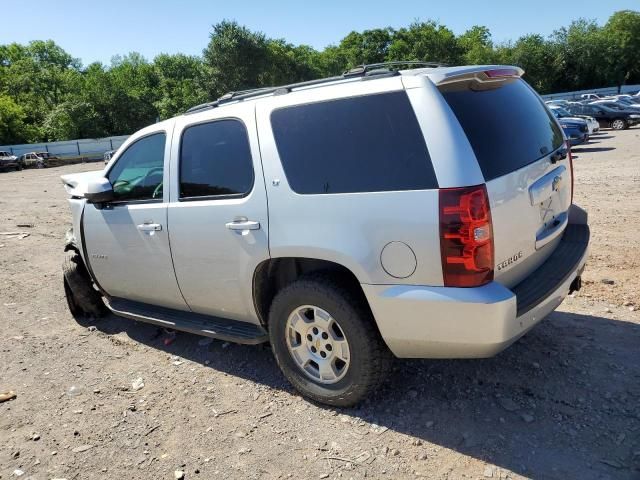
x=563, y=402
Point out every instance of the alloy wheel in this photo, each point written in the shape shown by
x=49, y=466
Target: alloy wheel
x=317, y=344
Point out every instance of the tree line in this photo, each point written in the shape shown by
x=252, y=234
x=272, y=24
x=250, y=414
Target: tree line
x=48, y=95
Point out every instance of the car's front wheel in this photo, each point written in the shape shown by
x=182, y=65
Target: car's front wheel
x=326, y=342
x=82, y=298
x=619, y=124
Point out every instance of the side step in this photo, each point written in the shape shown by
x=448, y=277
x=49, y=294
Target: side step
x=208, y=326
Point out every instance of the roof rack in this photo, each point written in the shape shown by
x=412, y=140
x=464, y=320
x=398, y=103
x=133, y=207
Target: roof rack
x=372, y=67
x=364, y=71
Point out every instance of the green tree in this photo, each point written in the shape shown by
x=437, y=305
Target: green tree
x=477, y=46
x=235, y=59
x=72, y=119
x=13, y=129
x=622, y=38
x=180, y=83
x=579, y=56
x=426, y=41
x=370, y=46
x=536, y=56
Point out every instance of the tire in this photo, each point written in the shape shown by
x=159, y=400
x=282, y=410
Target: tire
x=369, y=358
x=82, y=298
x=619, y=124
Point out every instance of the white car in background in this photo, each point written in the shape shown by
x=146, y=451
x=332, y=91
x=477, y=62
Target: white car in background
x=592, y=123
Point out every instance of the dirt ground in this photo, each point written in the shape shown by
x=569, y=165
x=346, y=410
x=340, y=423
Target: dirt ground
x=563, y=402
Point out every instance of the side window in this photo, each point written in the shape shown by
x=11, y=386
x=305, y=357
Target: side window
x=215, y=160
x=137, y=175
x=371, y=143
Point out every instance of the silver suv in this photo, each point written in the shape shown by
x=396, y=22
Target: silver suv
x=419, y=213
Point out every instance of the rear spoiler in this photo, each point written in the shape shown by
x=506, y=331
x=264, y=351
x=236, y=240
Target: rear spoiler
x=486, y=74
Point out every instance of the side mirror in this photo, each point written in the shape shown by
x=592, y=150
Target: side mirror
x=99, y=190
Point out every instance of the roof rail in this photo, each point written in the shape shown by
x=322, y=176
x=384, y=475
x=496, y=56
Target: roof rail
x=365, y=71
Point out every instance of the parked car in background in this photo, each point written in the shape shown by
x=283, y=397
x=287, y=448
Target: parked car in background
x=628, y=98
x=560, y=112
x=9, y=160
x=576, y=130
x=590, y=96
x=36, y=159
x=618, y=105
x=108, y=155
x=627, y=101
x=606, y=117
x=557, y=102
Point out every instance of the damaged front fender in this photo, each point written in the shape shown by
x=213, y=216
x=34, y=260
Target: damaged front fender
x=70, y=242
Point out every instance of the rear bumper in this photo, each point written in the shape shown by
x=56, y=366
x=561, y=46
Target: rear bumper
x=443, y=322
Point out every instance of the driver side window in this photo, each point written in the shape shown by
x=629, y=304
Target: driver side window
x=137, y=175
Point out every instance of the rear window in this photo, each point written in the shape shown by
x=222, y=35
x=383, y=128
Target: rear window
x=508, y=126
x=361, y=144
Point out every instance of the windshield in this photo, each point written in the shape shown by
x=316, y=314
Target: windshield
x=561, y=112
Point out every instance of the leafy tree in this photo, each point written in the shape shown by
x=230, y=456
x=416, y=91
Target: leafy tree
x=579, y=56
x=536, y=56
x=370, y=46
x=181, y=82
x=13, y=129
x=72, y=119
x=235, y=59
x=622, y=37
x=426, y=41
x=477, y=46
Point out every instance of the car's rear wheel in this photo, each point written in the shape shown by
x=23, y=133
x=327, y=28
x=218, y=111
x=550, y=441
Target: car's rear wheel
x=82, y=298
x=326, y=342
x=619, y=124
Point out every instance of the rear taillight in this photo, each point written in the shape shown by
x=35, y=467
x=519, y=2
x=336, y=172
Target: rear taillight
x=466, y=236
x=570, y=167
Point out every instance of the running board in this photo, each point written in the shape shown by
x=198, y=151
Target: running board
x=208, y=326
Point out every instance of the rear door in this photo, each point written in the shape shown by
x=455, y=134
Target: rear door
x=521, y=153
x=218, y=223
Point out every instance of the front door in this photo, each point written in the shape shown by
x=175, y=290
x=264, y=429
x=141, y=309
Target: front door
x=127, y=240
x=218, y=211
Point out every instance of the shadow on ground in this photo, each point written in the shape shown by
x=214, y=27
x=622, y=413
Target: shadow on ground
x=591, y=149
x=563, y=402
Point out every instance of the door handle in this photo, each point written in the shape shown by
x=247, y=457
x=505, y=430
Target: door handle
x=149, y=227
x=243, y=225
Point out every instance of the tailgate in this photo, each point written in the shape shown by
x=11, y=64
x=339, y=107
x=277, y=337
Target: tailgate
x=520, y=149
x=529, y=209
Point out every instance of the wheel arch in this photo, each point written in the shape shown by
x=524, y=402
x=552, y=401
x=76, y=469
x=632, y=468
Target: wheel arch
x=273, y=274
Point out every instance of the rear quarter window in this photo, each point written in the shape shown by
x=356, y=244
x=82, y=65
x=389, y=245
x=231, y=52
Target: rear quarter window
x=370, y=143
x=508, y=126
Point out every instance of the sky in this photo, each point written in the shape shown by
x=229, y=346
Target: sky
x=99, y=29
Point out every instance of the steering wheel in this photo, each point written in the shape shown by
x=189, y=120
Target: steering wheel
x=158, y=190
